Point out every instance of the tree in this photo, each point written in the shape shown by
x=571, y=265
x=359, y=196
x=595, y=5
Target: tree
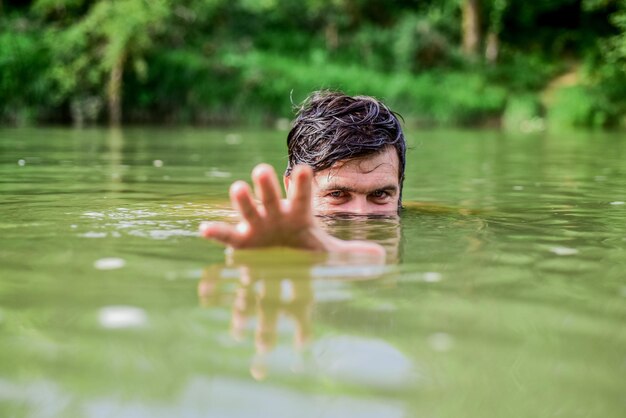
x=93, y=51
x=492, y=47
x=471, y=27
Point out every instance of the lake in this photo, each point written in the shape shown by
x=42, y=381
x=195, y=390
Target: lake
x=504, y=294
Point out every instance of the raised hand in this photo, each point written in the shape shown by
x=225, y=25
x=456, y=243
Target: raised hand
x=278, y=222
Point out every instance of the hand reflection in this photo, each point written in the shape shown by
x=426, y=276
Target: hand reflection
x=276, y=283
x=268, y=292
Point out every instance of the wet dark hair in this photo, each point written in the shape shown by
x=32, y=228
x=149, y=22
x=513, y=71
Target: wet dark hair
x=331, y=126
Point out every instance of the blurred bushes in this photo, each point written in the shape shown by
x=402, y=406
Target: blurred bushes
x=523, y=112
x=260, y=86
x=24, y=84
x=233, y=61
x=579, y=106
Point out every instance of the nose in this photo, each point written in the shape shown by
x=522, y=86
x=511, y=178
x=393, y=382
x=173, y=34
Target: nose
x=360, y=206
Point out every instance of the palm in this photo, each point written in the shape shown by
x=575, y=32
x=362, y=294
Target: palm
x=276, y=221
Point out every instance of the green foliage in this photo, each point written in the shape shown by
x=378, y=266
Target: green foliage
x=24, y=88
x=578, y=106
x=261, y=84
x=236, y=60
x=522, y=113
x=616, y=45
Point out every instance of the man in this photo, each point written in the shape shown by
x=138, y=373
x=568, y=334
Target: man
x=346, y=156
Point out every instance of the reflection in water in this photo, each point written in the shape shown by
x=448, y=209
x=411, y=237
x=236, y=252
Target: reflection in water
x=272, y=293
x=385, y=230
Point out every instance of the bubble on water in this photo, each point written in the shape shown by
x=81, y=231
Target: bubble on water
x=109, y=263
x=617, y=203
x=518, y=188
x=441, y=341
x=21, y=163
x=563, y=250
x=432, y=277
x=157, y=163
x=116, y=317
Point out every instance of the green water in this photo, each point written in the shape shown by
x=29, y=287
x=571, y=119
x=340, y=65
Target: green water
x=505, y=295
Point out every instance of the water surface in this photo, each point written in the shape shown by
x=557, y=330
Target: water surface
x=504, y=295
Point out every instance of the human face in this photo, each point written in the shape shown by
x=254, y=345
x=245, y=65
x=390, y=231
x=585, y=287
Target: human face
x=363, y=186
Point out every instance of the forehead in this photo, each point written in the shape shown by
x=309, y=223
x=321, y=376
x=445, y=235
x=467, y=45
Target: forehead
x=380, y=167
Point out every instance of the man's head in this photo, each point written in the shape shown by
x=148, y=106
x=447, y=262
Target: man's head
x=356, y=149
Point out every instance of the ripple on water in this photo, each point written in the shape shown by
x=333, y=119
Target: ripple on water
x=93, y=234
x=116, y=317
x=568, y=266
x=427, y=277
x=563, y=251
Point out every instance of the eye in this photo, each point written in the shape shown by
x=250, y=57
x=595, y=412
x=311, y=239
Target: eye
x=335, y=194
x=379, y=194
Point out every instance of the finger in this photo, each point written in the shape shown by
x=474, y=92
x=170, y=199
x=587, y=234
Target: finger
x=208, y=286
x=267, y=189
x=302, y=177
x=218, y=231
x=242, y=201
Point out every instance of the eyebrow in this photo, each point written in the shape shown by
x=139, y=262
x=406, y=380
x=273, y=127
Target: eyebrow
x=340, y=188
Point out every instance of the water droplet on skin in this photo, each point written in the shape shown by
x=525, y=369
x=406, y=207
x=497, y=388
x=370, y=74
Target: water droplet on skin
x=110, y=263
x=116, y=317
x=21, y=163
x=563, y=251
x=157, y=163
